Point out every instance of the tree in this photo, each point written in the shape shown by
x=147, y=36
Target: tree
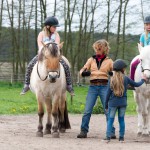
x=124, y=28
x=1, y=17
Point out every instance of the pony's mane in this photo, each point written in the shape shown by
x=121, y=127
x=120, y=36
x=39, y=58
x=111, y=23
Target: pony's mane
x=49, y=50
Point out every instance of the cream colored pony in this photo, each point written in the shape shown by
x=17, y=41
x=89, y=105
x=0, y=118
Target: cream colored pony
x=48, y=82
x=142, y=93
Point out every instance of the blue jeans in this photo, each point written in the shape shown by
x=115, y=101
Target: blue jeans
x=111, y=116
x=93, y=93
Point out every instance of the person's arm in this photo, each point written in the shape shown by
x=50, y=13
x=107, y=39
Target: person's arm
x=135, y=84
x=142, y=40
x=86, y=67
x=141, y=44
x=39, y=40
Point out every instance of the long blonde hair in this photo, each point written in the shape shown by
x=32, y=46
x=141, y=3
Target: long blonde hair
x=47, y=32
x=117, y=83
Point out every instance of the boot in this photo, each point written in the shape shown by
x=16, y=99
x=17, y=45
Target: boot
x=68, y=77
x=28, y=74
x=107, y=139
x=121, y=139
x=25, y=89
x=82, y=135
x=70, y=90
x=113, y=137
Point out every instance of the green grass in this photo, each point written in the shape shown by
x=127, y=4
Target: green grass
x=11, y=102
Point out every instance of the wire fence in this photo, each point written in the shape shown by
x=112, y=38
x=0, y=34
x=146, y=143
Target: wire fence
x=6, y=74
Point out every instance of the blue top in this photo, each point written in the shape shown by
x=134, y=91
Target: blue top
x=115, y=101
x=49, y=39
x=143, y=39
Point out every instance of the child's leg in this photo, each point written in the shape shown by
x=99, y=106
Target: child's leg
x=68, y=76
x=28, y=74
x=133, y=67
x=110, y=121
x=121, y=114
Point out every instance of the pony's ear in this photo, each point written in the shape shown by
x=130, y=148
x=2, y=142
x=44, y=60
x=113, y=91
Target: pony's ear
x=43, y=44
x=61, y=45
x=139, y=47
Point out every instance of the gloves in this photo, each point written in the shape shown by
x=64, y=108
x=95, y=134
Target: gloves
x=110, y=73
x=86, y=73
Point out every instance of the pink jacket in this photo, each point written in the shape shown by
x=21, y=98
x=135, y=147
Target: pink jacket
x=42, y=37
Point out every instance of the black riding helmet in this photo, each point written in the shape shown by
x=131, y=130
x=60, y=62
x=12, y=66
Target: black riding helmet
x=51, y=21
x=119, y=64
x=147, y=19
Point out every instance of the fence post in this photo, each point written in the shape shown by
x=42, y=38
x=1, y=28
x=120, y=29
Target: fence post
x=11, y=78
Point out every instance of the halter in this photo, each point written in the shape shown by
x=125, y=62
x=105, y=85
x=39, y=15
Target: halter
x=58, y=72
x=48, y=72
x=143, y=68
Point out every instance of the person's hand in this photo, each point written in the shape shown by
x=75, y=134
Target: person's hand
x=144, y=77
x=86, y=73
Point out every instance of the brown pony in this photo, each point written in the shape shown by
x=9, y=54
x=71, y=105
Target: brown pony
x=48, y=82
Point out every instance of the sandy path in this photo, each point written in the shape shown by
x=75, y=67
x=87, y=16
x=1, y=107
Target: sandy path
x=18, y=133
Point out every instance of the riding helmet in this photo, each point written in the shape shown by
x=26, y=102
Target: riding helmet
x=51, y=21
x=119, y=64
x=147, y=19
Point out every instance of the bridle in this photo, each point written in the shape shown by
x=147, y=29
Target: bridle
x=143, y=68
x=58, y=72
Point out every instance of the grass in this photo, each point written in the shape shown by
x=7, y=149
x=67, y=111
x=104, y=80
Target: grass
x=11, y=102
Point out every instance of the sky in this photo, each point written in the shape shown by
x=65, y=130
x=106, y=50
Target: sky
x=133, y=16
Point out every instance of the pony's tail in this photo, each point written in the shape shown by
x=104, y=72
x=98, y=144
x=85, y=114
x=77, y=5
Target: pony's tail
x=66, y=123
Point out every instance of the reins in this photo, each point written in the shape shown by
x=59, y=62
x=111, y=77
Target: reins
x=47, y=75
x=54, y=54
x=39, y=73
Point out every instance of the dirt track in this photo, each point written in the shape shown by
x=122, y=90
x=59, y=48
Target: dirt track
x=18, y=133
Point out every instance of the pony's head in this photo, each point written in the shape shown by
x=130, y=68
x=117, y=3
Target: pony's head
x=145, y=59
x=50, y=57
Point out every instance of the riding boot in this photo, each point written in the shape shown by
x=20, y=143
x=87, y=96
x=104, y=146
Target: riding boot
x=82, y=134
x=68, y=77
x=28, y=74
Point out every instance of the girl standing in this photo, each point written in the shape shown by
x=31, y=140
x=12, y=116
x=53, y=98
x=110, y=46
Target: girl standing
x=116, y=99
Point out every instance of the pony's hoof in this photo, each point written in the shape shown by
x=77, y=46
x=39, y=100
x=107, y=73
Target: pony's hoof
x=145, y=135
x=47, y=132
x=62, y=130
x=39, y=134
x=55, y=134
x=139, y=133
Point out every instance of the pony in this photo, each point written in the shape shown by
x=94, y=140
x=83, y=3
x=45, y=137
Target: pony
x=48, y=83
x=142, y=93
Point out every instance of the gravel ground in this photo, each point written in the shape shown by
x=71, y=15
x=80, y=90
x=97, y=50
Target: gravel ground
x=19, y=133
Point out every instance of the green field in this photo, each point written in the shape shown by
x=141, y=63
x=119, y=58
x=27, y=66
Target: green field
x=11, y=102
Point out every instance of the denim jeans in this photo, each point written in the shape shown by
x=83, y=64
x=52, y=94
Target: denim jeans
x=93, y=93
x=111, y=116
